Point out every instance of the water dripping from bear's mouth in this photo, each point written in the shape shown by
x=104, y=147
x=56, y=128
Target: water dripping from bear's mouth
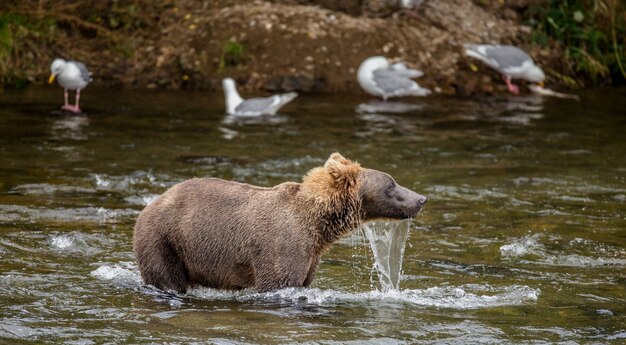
x=388, y=241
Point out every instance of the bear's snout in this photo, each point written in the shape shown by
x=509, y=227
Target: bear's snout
x=419, y=203
x=413, y=202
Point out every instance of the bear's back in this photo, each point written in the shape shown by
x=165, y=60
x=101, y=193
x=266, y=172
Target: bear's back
x=209, y=220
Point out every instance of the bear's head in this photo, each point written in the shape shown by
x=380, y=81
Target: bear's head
x=342, y=183
x=382, y=198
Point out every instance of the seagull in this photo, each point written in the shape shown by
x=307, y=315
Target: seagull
x=71, y=75
x=235, y=105
x=379, y=78
x=510, y=61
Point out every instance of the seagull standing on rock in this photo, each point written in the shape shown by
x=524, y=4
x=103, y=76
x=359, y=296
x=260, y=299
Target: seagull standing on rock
x=510, y=61
x=235, y=105
x=71, y=75
x=380, y=78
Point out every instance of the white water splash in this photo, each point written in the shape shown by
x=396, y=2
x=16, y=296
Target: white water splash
x=529, y=250
x=470, y=296
x=122, y=273
x=80, y=243
x=143, y=200
x=521, y=247
x=388, y=240
x=62, y=242
x=137, y=181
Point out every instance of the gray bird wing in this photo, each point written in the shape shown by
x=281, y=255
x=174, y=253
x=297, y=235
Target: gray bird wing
x=401, y=69
x=84, y=72
x=395, y=78
x=507, y=56
x=256, y=105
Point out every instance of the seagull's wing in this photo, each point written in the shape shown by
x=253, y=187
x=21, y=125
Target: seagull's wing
x=257, y=106
x=508, y=56
x=500, y=57
x=396, y=81
x=400, y=68
x=84, y=72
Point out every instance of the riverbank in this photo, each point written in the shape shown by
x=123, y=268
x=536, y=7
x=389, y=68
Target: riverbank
x=279, y=45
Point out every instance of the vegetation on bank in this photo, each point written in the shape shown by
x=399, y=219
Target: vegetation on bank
x=32, y=31
x=20, y=43
x=591, y=33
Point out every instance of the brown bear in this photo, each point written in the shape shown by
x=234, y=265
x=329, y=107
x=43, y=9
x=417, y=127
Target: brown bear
x=229, y=235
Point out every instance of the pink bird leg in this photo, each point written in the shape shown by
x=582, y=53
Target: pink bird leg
x=512, y=87
x=72, y=108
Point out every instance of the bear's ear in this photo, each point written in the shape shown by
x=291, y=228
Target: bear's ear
x=344, y=172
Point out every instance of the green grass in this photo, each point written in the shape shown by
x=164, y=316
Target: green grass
x=17, y=33
x=233, y=54
x=11, y=30
x=591, y=32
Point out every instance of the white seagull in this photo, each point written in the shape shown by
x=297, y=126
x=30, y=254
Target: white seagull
x=235, y=105
x=71, y=75
x=510, y=61
x=379, y=78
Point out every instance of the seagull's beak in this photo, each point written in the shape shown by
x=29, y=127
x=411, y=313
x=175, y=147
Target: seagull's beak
x=51, y=79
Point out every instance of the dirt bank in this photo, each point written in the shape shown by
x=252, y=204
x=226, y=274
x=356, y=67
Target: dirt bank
x=279, y=45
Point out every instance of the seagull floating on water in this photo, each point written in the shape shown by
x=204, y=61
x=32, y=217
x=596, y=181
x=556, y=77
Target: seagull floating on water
x=511, y=61
x=379, y=78
x=235, y=105
x=71, y=75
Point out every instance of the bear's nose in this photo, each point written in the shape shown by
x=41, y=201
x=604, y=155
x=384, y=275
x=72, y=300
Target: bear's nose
x=422, y=199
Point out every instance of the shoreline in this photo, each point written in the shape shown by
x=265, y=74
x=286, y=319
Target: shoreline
x=285, y=45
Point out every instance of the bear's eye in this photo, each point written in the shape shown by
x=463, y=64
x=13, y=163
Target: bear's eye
x=390, y=187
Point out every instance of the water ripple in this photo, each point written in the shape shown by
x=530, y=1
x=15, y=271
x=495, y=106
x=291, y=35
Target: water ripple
x=12, y=213
x=529, y=250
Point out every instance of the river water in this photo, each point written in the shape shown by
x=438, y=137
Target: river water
x=523, y=239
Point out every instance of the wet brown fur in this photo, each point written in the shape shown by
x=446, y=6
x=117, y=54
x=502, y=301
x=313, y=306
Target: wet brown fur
x=230, y=235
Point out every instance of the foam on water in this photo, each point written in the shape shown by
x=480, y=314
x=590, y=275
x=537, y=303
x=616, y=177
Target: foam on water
x=471, y=296
x=124, y=274
x=77, y=242
x=137, y=181
x=529, y=250
x=143, y=200
x=61, y=242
